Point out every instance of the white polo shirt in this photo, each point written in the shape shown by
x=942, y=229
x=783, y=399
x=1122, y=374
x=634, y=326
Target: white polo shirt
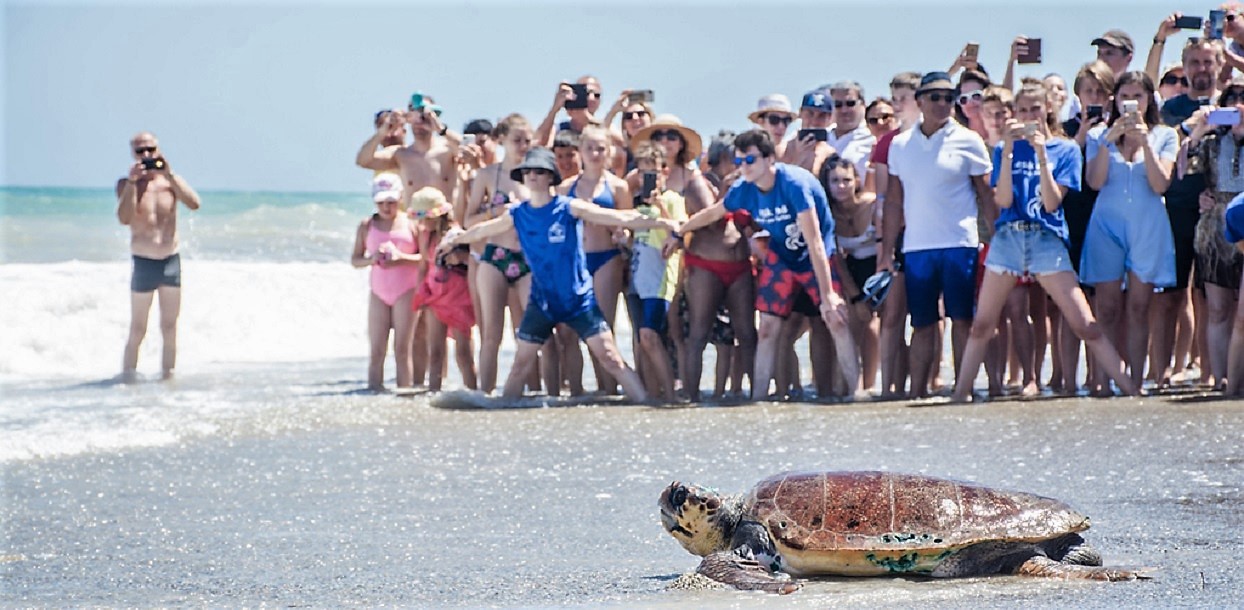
x=939, y=203
x=855, y=146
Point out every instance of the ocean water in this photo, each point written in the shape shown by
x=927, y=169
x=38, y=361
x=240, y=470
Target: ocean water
x=265, y=476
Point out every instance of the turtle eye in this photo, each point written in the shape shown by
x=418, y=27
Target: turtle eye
x=679, y=496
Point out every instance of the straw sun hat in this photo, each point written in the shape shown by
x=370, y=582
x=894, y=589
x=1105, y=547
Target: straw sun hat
x=694, y=144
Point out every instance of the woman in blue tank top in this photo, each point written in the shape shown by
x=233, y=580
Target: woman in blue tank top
x=549, y=228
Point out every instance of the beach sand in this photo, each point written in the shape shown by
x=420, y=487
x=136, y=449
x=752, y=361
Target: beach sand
x=367, y=501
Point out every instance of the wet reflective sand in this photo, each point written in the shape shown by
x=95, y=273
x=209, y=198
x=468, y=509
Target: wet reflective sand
x=358, y=500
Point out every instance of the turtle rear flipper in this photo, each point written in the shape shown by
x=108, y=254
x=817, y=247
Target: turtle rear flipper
x=740, y=570
x=1048, y=568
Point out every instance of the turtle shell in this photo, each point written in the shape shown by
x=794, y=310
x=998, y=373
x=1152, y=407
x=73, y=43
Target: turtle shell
x=869, y=523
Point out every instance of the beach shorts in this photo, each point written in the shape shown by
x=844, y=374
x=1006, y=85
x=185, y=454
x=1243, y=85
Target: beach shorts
x=861, y=269
x=1183, y=231
x=946, y=272
x=536, y=327
x=655, y=315
x=1026, y=249
x=150, y=273
x=778, y=287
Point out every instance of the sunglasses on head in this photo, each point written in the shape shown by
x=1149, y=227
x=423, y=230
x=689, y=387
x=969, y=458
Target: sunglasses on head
x=847, y=103
x=974, y=96
x=1171, y=79
x=749, y=159
x=778, y=119
x=144, y=149
x=879, y=119
x=666, y=134
x=638, y=114
x=940, y=97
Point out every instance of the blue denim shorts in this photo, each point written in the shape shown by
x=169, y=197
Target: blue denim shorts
x=1026, y=248
x=949, y=273
x=536, y=327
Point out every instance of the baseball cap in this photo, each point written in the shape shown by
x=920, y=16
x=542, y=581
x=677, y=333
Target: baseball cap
x=478, y=126
x=818, y=100
x=386, y=186
x=1115, y=38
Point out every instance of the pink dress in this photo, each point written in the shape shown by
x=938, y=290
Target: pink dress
x=444, y=290
x=390, y=283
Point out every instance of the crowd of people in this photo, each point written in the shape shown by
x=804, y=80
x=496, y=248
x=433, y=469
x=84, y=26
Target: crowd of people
x=1039, y=216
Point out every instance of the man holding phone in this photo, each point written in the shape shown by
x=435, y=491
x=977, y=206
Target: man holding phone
x=849, y=135
x=429, y=160
x=1202, y=62
x=810, y=148
x=147, y=203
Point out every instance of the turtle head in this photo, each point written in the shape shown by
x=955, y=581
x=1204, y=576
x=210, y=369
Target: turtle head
x=700, y=519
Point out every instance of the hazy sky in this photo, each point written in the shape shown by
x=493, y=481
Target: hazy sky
x=280, y=96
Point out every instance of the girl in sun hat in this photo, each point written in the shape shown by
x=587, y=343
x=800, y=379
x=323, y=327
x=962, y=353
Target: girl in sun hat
x=774, y=114
x=443, y=292
x=386, y=242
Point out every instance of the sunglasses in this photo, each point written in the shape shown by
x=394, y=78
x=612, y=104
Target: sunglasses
x=1171, y=79
x=144, y=149
x=847, y=103
x=778, y=119
x=940, y=97
x=1232, y=98
x=666, y=134
x=638, y=114
x=974, y=96
x=879, y=119
x=749, y=159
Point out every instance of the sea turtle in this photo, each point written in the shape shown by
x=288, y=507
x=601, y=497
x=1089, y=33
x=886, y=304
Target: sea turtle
x=874, y=523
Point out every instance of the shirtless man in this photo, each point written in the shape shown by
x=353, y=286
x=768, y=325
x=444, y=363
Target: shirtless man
x=147, y=203
x=428, y=160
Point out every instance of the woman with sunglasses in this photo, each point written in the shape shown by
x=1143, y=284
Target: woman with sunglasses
x=1216, y=151
x=880, y=117
x=635, y=116
x=548, y=225
x=972, y=85
x=717, y=259
x=605, y=262
x=386, y=242
x=857, y=218
x=1173, y=82
x=501, y=277
x=774, y=115
x=1129, y=235
x=1034, y=168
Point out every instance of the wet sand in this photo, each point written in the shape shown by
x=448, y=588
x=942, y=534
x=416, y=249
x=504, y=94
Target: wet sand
x=359, y=500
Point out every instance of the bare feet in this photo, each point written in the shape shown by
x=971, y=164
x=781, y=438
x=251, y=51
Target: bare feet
x=1030, y=390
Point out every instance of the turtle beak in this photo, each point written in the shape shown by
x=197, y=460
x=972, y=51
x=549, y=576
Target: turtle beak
x=671, y=503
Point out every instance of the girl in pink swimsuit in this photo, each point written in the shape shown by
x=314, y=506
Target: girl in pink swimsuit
x=386, y=242
x=445, y=294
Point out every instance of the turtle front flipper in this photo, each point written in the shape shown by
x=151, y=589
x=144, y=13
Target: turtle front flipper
x=1048, y=568
x=739, y=569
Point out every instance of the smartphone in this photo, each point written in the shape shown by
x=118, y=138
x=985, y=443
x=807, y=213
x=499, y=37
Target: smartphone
x=1130, y=106
x=1188, y=22
x=650, y=184
x=972, y=50
x=643, y=96
x=1224, y=116
x=580, y=97
x=468, y=139
x=1096, y=112
x=1030, y=129
x=820, y=135
x=1217, y=18
x=1033, y=56
x=156, y=163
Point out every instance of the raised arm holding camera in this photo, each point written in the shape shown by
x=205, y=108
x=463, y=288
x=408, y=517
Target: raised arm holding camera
x=147, y=202
x=428, y=160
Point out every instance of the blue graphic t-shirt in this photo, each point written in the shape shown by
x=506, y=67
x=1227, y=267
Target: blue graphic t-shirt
x=1065, y=163
x=550, y=235
x=794, y=190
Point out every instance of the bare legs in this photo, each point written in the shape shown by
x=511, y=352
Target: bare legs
x=140, y=311
x=602, y=345
x=380, y=318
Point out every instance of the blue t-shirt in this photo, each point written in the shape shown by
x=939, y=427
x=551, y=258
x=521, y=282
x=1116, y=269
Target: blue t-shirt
x=550, y=235
x=1065, y=163
x=794, y=190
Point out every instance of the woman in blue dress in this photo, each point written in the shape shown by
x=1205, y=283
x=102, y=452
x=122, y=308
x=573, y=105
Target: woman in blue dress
x=1129, y=234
